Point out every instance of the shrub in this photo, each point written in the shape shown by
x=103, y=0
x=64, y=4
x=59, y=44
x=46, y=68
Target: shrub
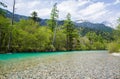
x=113, y=47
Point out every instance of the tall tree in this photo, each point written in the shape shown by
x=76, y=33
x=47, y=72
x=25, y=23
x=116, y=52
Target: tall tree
x=69, y=29
x=4, y=32
x=10, y=37
x=13, y=12
x=53, y=18
x=52, y=23
x=34, y=16
x=117, y=31
x=118, y=27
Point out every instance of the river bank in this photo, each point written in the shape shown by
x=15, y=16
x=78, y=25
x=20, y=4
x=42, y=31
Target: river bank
x=76, y=65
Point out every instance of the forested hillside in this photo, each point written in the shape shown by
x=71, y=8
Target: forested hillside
x=35, y=34
x=84, y=27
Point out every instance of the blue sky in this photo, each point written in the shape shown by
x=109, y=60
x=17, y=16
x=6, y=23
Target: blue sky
x=97, y=11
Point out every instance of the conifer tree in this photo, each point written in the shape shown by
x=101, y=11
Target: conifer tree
x=53, y=18
x=69, y=29
x=52, y=23
x=34, y=16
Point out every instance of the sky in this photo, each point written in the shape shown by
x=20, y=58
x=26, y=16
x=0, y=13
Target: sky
x=96, y=11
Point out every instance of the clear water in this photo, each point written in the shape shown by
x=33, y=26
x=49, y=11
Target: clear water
x=10, y=56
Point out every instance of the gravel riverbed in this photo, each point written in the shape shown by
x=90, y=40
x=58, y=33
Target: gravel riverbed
x=92, y=65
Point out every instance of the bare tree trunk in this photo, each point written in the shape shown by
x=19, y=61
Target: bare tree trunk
x=67, y=41
x=13, y=12
x=54, y=36
x=10, y=37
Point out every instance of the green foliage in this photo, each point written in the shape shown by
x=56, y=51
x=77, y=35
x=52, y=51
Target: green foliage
x=43, y=35
x=84, y=43
x=53, y=18
x=92, y=36
x=70, y=32
x=34, y=16
x=99, y=45
x=60, y=42
x=113, y=47
x=96, y=41
x=29, y=36
x=4, y=32
x=2, y=12
x=117, y=31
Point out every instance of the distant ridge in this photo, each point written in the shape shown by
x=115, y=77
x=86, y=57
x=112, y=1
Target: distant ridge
x=97, y=27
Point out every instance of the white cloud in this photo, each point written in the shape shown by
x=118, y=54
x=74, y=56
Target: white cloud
x=71, y=6
x=97, y=16
x=79, y=9
x=113, y=19
x=25, y=7
x=44, y=13
x=93, y=9
x=92, y=12
x=117, y=2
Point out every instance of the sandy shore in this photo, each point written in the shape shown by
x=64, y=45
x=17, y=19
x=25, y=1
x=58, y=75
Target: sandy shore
x=91, y=65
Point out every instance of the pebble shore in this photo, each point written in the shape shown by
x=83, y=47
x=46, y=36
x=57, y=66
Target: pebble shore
x=100, y=65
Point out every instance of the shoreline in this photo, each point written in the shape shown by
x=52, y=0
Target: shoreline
x=49, y=51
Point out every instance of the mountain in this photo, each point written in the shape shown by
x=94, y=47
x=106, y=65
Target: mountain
x=16, y=16
x=86, y=26
x=95, y=26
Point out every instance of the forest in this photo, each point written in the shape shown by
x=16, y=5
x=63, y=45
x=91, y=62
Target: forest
x=28, y=35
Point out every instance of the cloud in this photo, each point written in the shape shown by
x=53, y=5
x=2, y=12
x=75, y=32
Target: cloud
x=113, y=19
x=44, y=13
x=91, y=10
x=97, y=16
x=86, y=10
x=26, y=7
x=117, y=2
x=94, y=12
x=72, y=7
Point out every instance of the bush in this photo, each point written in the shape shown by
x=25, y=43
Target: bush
x=113, y=47
x=99, y=46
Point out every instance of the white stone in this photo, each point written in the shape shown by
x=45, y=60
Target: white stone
x=116, y=54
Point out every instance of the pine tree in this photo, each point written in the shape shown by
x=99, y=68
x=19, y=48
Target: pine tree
x=53, y=18
x=52, y=23
x=34, y=16
x=69, y=29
